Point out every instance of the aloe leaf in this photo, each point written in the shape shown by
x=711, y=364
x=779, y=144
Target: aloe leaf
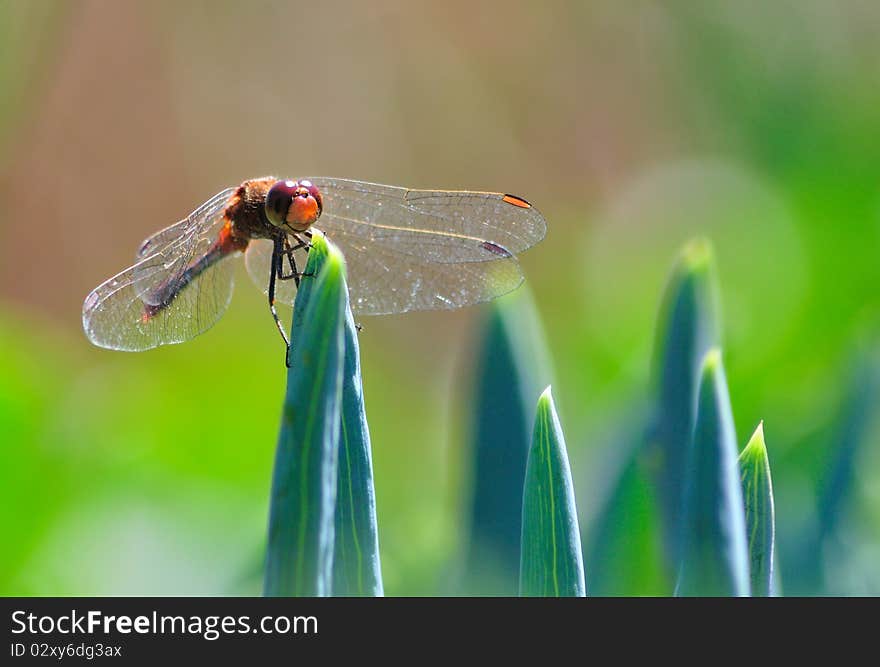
x=512, y=368
x=356, y=568
x=687, y=328
x=760, y=518
x=715, y=555
x=302, y=507
x=551, y=564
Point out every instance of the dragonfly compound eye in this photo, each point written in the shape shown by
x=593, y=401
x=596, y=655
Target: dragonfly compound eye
x=293, y=205
x=278, y=201
x=314, y=192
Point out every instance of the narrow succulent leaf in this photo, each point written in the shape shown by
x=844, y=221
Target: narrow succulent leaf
x=687, y=328
x=512, y=368
x=302, y=506
x=356, y=568
x=551, y=564
x=714, y=552
x=760, y=518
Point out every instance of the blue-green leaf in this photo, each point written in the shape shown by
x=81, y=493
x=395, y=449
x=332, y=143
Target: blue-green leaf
x=356, y=569
x=760, y=518
x=512, y=368
x=715, y=555
x=301, y=518
x=687, y=327
x=551, y=564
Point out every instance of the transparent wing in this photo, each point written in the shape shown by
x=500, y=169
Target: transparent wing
x=443, y=226
x=426, y=249
x=382, y=282
x=155, y=302
x=180, y=230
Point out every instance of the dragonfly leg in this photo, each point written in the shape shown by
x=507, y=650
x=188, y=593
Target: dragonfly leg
x=288, y=251
x=291, y=260
x=275, y=270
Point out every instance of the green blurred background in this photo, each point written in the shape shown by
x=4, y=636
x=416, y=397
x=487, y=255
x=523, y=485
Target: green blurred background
x=632, y=126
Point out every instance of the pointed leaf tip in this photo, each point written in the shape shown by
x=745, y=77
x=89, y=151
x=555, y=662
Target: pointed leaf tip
x=551, y=563
x=687, y=327
x=757, y=488
x=756, y=447
x=715, y=553
x=711, y=361
x=698, y=255
x=511, y=368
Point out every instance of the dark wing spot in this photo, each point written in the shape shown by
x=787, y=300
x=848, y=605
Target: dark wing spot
x=496, y=249
x=516, y=201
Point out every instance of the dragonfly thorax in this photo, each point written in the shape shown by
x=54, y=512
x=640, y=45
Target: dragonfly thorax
x=263, y=207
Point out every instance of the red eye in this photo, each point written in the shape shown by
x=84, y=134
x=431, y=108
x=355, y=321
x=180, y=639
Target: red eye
x=278, y=201
x=294, y=205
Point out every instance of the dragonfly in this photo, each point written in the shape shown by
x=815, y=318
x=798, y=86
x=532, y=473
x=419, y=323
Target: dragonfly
x=405, y=250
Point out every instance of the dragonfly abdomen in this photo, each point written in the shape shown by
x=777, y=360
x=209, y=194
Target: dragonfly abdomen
x=227, y=243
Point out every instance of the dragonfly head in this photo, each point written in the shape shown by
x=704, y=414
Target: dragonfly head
x=293, y=205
